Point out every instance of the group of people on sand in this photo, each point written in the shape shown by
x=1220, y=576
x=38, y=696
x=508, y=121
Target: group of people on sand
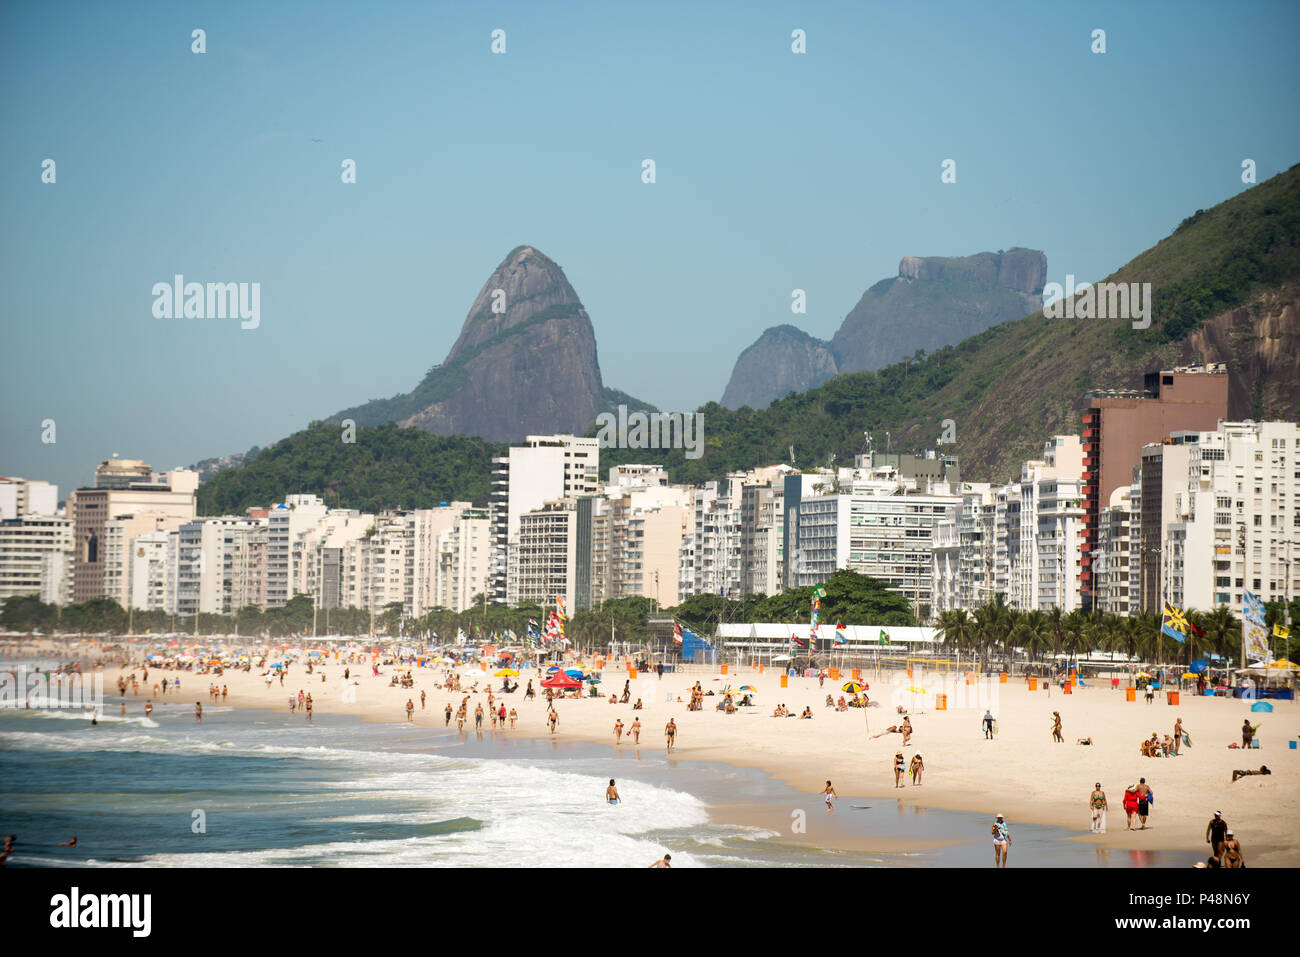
x=1225, y=849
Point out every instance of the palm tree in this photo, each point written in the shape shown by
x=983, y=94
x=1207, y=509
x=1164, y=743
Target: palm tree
x=1222, y=631
x=1030, y=633
x=957, y=629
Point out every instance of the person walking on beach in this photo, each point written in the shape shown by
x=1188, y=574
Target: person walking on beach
x=1056, y=727
x=906, y=729
x=309, y=709
x=988, y=725
x=553, y=717
x=478, y=716
x=917, y=767
x=148, y=708
x=618, y=730
x=670, y=732
x=1097, y=801
x=1144, y=797
x=421, y=700
x=514, y=716
x=198, y=711
x=898, y=769
x=1001, y=842
x=635, y=731
x=1130, y=805
x=446, y=721
x=410, y=710
x=829, y=791
x=501, y=715
x=1216, y=833
x=611, y=793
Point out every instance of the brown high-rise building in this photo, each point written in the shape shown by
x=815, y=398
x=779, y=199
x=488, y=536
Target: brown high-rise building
x=1116, y=424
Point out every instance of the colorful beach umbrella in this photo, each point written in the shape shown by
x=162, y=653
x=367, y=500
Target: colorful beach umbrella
x=507, y=673
x=851, y=687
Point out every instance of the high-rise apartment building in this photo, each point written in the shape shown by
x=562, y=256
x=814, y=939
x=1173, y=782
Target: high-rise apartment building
x=1116, y=426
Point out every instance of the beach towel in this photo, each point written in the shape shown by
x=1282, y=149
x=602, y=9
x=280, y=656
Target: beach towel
x=1187, y=739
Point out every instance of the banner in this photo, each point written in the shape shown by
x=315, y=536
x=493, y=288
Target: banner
x=1254, y=634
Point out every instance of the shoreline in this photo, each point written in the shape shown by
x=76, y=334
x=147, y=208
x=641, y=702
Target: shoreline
x=1015, y=775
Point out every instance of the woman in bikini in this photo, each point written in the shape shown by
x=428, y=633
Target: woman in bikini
x=899, y=767
x=917, y=768
x=1097, y=802
x=1232, y=855
x=1056, y=727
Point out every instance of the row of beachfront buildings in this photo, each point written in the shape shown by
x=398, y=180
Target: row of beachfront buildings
x=1159, y=499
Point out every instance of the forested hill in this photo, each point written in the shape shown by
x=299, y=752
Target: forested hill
x=385, y=467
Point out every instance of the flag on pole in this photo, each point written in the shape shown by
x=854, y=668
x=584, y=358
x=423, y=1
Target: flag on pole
x=840, y=634
x=677, y=632
x=1281, y=631
x=1174, y=623
x=796, y=640
x=884, y=637
x=819, y=592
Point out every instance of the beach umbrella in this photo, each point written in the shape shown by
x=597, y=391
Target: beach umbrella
x=1283, y=665
x=749, y=689
x=507, y=673
x=915, y=690
x=1190, y=676
x=573, y=673
x=594, y=680
x=852, y=687
x=780, y=657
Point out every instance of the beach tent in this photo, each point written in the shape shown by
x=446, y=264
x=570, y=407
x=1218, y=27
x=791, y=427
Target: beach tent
x=561, y=680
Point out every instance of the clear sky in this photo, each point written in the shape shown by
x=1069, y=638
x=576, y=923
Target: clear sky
x=775, y=171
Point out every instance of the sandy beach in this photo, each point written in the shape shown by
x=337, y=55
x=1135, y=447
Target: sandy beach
x=1021, y=773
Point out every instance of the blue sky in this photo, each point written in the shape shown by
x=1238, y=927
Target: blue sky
x=776, y=171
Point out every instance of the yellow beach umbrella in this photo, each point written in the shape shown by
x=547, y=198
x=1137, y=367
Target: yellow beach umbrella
x=1190, y=676
x=915, y=690
x=851, y=687
x=1283, y=665
x=506, y=673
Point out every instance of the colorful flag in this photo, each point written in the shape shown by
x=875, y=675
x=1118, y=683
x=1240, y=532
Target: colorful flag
x=1281, y=631
x=796, y=640
x=677, y=632
x=559, y=605
x=840, y=634
x=1174, y=623
x=884, y=637
x=819, y=592
x=1252, y=608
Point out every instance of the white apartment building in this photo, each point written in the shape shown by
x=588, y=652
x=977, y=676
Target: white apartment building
x=213, y=556
x=285, y=571
x=546, y=468
x=150, y=572
x=463, y=556
x=36, y=557
x=545, y=559
x=881, y=529
x=1235, y=524
x=1115, y=564
x=19, y=497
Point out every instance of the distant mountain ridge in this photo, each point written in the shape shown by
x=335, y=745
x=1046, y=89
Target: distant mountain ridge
x=932, y=302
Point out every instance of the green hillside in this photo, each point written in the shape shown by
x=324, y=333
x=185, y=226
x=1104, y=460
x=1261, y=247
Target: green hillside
x=386, y=467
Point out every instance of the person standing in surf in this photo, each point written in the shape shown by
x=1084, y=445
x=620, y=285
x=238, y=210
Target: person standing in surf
x=670, y=732
x=829, y=791
x=611, y=793
x=1097, y=801
x=1001, y=842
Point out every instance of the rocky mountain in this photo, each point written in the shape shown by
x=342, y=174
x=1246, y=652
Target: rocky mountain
x=783, y=360
x=524, y=363
x=1226, y=288
x=933, y=302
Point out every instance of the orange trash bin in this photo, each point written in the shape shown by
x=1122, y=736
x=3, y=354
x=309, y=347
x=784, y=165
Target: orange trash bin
x=1130, y=694
x=1069, y=687
x=835, y=674
x=1002, y=678
x=1173, y=697
x=760, y=667
x=724, y=669
x=631, y=673
x=970, y=677
x=941, y=702
x=1033, y=684
x=785, y=681
x=857, y=674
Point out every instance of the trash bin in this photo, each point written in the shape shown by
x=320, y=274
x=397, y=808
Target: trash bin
x=941, y=702
x=1068, y=687
x=1173, y=697
x=1130, y=693
x=724, y=670
x=785, y=681
x=1002, y=678
x=1033, y=684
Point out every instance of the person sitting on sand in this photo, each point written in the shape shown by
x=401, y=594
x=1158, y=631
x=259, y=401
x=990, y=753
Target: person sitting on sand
x=841, y=705
x=807, y=713
x=830, y=702
x=613, y=699
x=638, y=706
x=1084, y=741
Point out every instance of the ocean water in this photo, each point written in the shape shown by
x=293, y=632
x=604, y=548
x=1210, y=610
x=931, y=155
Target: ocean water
x=271, y=789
